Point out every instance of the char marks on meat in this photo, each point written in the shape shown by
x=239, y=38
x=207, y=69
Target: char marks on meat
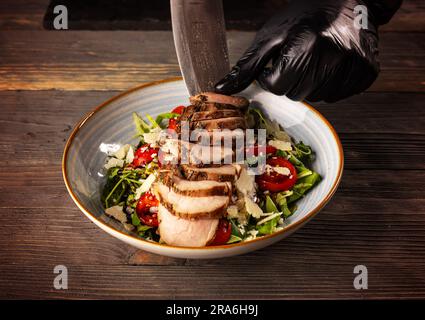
x=238, y=102
x=195, y=194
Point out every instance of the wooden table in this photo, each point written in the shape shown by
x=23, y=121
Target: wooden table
x=49, y=79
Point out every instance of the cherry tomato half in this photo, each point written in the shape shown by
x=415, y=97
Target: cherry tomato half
x=144, y=155
x=147, y=215
x=222, y=234
x=178, y=109
x=254, y=150
x=276, y=182
x=173, y=124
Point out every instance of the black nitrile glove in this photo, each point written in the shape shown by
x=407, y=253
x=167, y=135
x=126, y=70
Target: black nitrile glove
x=317, y=53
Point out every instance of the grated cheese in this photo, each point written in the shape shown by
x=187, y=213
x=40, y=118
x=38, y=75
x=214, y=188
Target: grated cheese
x=246, y=183
x=117, y=213
x=113, y=162
x=281, y=145
x=130, y=155
x=122, y=152
x=146, y=185
x=252, y=208
x=269, y=218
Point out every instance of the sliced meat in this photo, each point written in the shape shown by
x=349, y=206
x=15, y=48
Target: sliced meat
x=188, y=207
x=221, y=173
x=215, y=114
x=239, y=102
x=200, y=154
x=195, y=188
x=210, y=107
x=188, y=112
x=223, y=123
x=181, y=232
x=174, y=150
x=219, y=136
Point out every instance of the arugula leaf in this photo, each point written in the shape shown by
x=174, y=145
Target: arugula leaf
x=141, y=126
x=163, y=116
x=135, y=220
x=235, y=230
x=283, y=205
x=152, y=121
x=268, y=227
x=143, y=229
x=234, y=239
x=304, y=185
x=270, y=205
x=273, y=128
x=303, y=152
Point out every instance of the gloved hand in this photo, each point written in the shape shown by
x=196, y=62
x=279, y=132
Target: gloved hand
x=317, y=53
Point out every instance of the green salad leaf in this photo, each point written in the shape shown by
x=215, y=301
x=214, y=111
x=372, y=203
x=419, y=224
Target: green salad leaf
x=270, y=206
x=269, y=226
x=163, y=116
x=303, y=185
x=234, y=239
x=140, y=124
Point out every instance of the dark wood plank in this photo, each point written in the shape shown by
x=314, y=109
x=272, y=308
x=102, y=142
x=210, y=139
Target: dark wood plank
x=383, y=231
x=42, y=60
x=378, y=131
x=408, y=18
x=28, y=15
x=285, y=281
x=370, y=221
x=22, y=14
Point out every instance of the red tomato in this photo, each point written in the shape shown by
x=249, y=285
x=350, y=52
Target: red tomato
x=223, y=233
x=275, y=182
x=178, y=109
x=146, y=215
x=173, y=124
x=144, y=155
x=254, y=150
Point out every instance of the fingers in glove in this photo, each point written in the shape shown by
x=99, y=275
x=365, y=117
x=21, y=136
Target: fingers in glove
x=344, y=74
x=248, y=67
x=291, y=73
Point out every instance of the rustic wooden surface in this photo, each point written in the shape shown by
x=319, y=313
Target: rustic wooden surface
x=49, y=79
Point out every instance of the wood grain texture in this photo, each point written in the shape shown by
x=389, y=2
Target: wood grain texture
x=43, y=60
x=378, y=131
x=22, y=14
x=370, y=221
x=376, y=217
x=28, y=15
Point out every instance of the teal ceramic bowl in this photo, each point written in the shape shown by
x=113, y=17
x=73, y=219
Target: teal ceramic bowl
x=110, y=125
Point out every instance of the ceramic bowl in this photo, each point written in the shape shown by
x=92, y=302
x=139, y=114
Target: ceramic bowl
x=110, y=125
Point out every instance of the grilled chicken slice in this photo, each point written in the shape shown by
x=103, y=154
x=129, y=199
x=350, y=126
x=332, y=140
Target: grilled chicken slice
x=219, y=136
x=182, y=232
x=188, y=112
x=221, y=173
x=223, y=123
x=238, y=102
x=195, y=188
x=215, y=114
x=189, y=207
x=195, y=153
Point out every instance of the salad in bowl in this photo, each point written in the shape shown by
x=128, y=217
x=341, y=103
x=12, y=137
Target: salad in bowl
x=211, y=173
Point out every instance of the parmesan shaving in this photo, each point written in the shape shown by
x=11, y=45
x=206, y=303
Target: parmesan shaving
x=281, y=145
x=146, y=185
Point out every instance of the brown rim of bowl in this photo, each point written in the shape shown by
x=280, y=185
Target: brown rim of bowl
x=290, y=227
